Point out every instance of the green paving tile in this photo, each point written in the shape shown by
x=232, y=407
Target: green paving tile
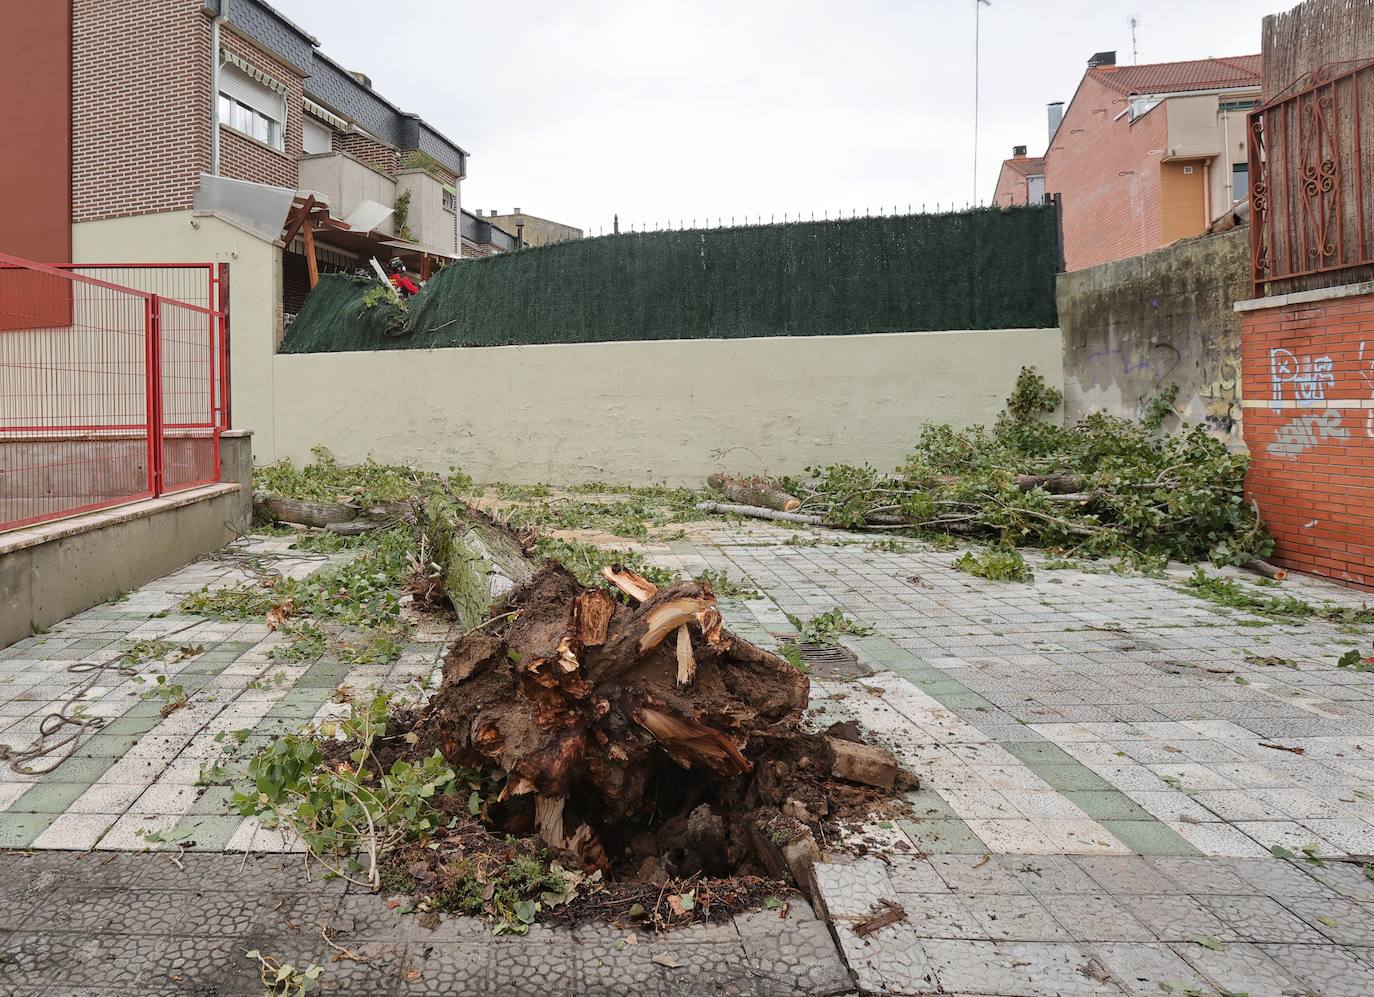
x=206, y=832
x=215, y=801
x=943, y=837
x=1071, y=777
x=17, y=830
x=1107, y=805
x=127, y=724
x=1149, y=837
x=106, y=745
x=929, y=804
x=49, y=797
x=86, y=770
x=1040, y=752
x=942, y=687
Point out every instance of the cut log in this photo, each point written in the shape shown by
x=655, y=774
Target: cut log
x=1264, y=568
x=280, y=509
x=754, y=491
x=864, y=764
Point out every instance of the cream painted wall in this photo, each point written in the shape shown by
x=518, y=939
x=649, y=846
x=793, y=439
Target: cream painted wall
x=650, y=411
x=254, y=294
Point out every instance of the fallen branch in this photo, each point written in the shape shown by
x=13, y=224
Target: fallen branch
x=758, y=512
x=885, y=912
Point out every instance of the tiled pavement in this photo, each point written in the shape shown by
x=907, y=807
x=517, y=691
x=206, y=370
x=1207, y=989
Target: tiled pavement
x=1097, y=794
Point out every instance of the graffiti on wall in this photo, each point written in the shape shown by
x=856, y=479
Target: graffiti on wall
x=1307, y=375
x=1299, y=435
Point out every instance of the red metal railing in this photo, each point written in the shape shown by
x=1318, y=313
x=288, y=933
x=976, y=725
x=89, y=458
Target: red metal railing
x=110, y=390
x=1309, y=196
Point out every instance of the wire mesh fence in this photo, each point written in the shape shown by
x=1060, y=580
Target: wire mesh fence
x=109, y=393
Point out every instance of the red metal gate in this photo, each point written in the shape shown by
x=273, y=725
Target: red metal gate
x=111, y=389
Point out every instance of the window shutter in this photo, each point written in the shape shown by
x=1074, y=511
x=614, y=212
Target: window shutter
x=246, y=90
x=316, y=137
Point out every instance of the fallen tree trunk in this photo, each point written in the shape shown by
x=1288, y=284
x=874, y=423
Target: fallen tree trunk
x=280, y=509
x=754, y=491
x=479, y=560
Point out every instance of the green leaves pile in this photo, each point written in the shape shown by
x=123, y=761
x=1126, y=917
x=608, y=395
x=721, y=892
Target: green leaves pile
x=342, y=808
x=1143, y=497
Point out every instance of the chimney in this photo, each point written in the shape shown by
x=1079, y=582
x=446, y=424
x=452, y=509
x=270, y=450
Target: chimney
x=1102, y=59
x=362, y=78
x=1056, y=114
x=1018, y=151
x=493, y=212
x=518, y=211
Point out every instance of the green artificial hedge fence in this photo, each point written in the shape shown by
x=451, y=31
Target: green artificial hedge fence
x=982, y=269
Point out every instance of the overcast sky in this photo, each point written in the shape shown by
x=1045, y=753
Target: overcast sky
x=667, y=109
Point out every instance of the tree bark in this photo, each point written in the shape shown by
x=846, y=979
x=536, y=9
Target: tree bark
x=754, y=491
x=280, y=509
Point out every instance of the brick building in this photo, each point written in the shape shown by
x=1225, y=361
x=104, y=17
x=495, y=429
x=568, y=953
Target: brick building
x=1021, y=180
x=182, y=130
x=1144, y=155
x=1307, y=335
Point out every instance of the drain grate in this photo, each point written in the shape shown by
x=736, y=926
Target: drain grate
x=829, y=661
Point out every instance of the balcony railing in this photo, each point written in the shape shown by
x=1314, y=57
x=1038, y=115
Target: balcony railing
x=1311, y=201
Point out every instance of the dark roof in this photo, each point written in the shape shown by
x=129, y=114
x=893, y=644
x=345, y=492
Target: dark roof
x=330, y=85
x=1175, y=77
x=1027, y=166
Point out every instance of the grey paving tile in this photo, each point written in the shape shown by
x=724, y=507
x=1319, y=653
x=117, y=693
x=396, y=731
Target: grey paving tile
x=1326, y=969
x=1261, y=919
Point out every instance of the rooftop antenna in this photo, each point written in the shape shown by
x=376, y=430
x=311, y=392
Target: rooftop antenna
x=1135, y=53
x=978, y=6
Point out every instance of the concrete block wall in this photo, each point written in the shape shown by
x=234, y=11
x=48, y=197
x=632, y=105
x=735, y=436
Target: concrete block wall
x=1307, y=364
x=1135, y=327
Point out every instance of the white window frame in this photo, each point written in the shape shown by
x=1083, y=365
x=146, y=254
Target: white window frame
x=251, y=103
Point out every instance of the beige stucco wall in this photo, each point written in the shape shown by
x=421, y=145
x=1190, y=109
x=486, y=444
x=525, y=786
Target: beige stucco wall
x=431, y=224
x=346, y=183
x=254, y=292
x=650, y=411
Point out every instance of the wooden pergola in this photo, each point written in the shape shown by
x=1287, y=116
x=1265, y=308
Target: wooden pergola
x=310, y=219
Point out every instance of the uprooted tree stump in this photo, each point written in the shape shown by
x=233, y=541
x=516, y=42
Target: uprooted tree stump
x=628, y=728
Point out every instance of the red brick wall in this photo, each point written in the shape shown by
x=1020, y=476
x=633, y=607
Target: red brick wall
x=378, y=155
x=1012, y=188
x=243, y=158
x=1312, y=456
x=140, y=106
x=1107, y=168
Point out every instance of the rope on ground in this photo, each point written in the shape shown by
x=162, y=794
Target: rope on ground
x=51, y=738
